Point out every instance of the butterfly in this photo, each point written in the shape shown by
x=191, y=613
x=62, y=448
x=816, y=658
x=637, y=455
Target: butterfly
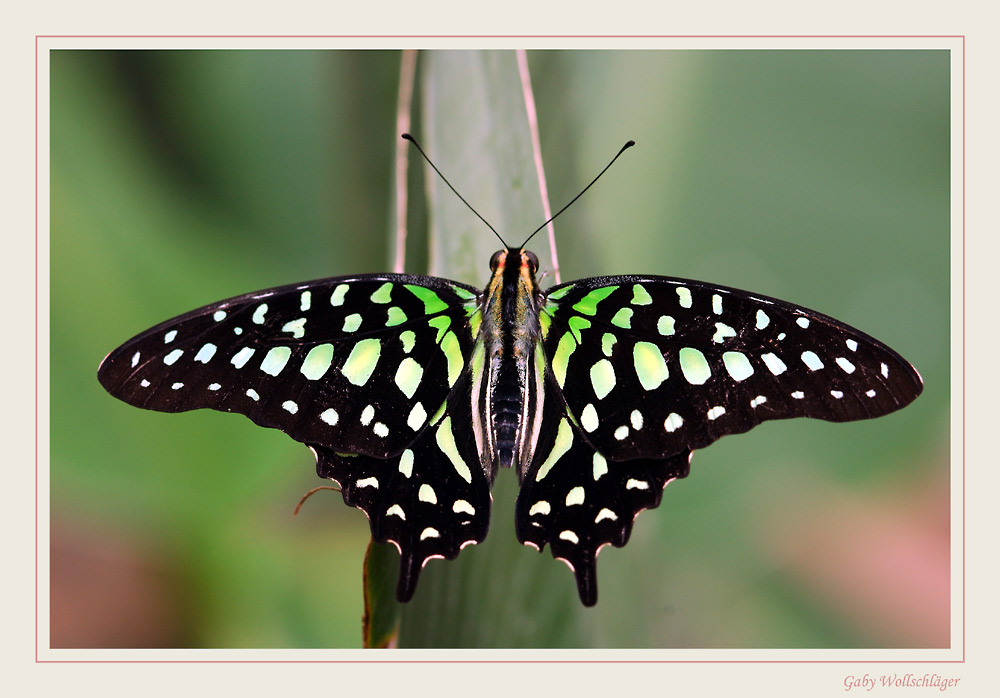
x=412, y=391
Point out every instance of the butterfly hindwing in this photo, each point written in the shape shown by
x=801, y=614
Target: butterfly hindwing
x=663, y=365
x=431, y=500
x=576, y=501
x=305, y=359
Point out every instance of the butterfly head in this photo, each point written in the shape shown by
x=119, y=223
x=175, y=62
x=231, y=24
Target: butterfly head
x=513, y=268
x=520, y=257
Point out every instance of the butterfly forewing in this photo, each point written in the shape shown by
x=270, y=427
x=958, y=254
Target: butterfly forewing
x=306, y=359
x=653, y=366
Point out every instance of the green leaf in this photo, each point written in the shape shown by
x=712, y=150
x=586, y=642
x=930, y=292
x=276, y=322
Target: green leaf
x=380, y=625
x=498, y=593
x=476, y=132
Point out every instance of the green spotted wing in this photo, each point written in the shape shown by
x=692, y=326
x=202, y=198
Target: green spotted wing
x=365, y=370
x=648, y=369
x=605, y=387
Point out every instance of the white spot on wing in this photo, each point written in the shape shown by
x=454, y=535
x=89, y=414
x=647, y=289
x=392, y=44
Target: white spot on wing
x=367, y=415
x=636, y=419
x=396, y=510
x=408, y=376
x=242, y=356
x=694, y=366
x=540, y=507
x=812, y=362
x=722, y=332
x=337, y=297
x=296, y=327
x=684, y=296
x=417, y=417
x=846, y=365
x=602, y=377
x=569, y=536
x=775, y=365
x=575, y=496
x=351, y=323
x=665, y=325
x=275, y=360
x=673, y=422
x=406, y=463
x=600, y=465
x=317, y=362
x=206, y=353
x=738, y=365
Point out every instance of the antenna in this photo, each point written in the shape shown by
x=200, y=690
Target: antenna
x=623, y=149
x=413, y=140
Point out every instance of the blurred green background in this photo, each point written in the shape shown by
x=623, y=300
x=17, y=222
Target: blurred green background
x=184, y=177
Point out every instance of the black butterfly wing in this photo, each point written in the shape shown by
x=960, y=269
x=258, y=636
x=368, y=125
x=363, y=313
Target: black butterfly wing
x=430, y=501
x=359, y=368
x=576, y=501
x=663, y=366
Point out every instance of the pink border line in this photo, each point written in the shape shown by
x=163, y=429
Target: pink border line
x=39, y=37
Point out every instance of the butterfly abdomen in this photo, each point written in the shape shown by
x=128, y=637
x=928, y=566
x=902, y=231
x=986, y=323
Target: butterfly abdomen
x=508, y=405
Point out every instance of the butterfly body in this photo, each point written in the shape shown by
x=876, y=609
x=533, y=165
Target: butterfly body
x=413, y=390
x=507, y=391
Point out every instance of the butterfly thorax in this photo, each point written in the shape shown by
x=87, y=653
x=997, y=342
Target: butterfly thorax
x=507, y=388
